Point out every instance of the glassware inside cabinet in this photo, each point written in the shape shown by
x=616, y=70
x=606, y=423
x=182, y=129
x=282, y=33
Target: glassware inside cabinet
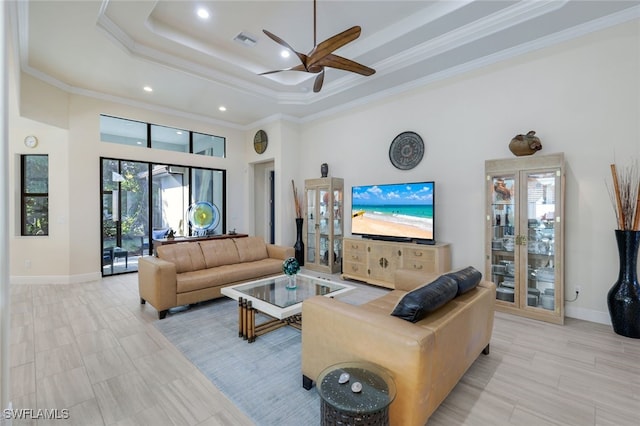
x=324, y=250
x=337, y=213
x=541, y=209
x=311, y=225
x=503, y=238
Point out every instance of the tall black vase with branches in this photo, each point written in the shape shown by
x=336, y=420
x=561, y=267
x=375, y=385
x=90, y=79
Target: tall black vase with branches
x=623, y=299
x=299, y=245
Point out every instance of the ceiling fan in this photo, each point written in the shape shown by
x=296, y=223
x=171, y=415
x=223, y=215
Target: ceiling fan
x=322, y=56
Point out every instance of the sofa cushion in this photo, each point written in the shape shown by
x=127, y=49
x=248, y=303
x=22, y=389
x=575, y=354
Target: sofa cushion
x=251, y=248
x=227, y=274
x=186, y=256
x=467, y=279
x=219, y=252
x=417, y=304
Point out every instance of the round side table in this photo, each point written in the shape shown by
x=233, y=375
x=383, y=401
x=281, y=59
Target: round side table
x=340, y=405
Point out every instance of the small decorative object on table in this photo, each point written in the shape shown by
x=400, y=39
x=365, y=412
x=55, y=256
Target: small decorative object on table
x=623, y=299
x=291, y=267
x=171, y=235
x=525, y=144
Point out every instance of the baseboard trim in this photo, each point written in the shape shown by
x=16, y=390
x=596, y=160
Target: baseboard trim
x=55, y=279
x=588, y=315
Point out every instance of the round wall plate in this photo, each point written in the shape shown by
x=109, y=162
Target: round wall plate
x=260, y=141
x=406, y=150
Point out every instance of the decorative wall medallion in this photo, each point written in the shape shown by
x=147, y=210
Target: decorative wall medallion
x=406, y=150
x=260, y=141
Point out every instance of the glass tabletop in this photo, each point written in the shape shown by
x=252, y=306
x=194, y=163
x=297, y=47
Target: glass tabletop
x=377, y=387
x=275, y=292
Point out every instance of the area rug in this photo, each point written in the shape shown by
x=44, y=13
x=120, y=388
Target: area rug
x=264, y=378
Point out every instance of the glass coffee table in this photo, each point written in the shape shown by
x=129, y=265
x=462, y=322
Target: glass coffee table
x=270, y=296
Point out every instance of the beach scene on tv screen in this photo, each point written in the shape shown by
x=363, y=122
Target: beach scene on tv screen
x=397, y=210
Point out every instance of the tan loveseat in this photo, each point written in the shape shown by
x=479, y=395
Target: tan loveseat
x=426, y=359
x=192, y=272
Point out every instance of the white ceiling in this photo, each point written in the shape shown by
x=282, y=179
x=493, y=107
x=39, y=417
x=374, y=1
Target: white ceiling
x=112, y=49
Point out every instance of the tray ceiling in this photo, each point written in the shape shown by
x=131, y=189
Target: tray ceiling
x=112, y=49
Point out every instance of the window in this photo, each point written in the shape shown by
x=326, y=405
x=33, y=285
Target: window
x=35, y=195
x=125, y=132
x=136, y=133
x=212, y=146
x=169, y=139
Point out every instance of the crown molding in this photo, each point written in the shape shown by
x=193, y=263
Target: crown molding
x=541, y=43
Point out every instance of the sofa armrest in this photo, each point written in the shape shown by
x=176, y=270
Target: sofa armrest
x=157, y=282
x=280, y=252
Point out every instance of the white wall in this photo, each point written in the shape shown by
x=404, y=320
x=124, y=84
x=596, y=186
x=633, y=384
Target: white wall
x=71, y=253
x=582, y=98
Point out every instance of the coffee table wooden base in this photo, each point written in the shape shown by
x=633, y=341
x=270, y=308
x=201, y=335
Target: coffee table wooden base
x=247, y=328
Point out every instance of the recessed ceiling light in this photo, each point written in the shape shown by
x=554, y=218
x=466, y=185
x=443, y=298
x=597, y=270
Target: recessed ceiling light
x=147, y=89
x=203, y=13
x=222, y=108
x=285, y=53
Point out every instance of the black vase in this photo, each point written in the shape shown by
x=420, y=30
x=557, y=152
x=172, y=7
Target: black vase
x=624, y=297
x=299, y=245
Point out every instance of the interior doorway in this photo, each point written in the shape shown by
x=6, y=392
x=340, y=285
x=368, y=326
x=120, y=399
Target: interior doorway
x=264, y=201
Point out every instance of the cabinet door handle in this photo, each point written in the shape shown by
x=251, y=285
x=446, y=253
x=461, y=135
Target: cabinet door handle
x=417, y=253
x=417, y=266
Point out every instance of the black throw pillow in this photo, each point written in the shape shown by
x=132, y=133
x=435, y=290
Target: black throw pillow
x=418, y=303
x=467, y=279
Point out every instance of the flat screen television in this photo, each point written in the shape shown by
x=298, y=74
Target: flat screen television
x=396, y=212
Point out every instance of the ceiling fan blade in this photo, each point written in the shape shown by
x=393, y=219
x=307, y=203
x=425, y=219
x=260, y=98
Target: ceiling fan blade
x=317, y=85
x=296, y=68
x=333, y=43
x=281, y=42
x=338, y=62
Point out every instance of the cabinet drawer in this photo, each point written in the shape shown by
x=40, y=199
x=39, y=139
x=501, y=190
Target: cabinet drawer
x=354, y=268
x=417, y=265
x=354, y=256
x=420, y=255
x=351, y=246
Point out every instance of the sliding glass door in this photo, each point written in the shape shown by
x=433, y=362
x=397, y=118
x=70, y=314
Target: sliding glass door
x=131, y=219
x=125, y=214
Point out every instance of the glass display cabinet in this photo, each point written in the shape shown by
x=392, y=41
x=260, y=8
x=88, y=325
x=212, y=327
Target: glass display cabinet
x=323, y=226
x=524, y=235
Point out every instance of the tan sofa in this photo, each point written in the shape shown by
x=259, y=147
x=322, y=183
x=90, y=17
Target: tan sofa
x=426, y=359
x=185, y=273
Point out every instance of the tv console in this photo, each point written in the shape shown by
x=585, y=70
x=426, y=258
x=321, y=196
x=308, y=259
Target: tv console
x=375, y=262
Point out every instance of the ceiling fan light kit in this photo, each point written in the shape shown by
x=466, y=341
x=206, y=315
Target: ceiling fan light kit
x=322, y=56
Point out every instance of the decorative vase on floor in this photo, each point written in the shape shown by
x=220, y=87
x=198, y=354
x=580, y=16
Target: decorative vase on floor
x=299, y=245
x=623, y=298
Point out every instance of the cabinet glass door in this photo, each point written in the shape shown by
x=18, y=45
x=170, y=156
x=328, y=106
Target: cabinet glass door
x=325, y=217
x=503, y=238
x=311, y=225
x=540, y=228
x=337, y=226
